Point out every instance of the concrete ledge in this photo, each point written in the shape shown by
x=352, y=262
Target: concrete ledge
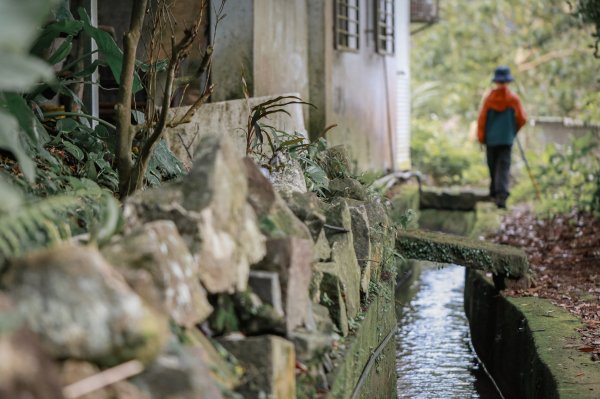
x=528, y=345
x=445, y=248
x=452, y=199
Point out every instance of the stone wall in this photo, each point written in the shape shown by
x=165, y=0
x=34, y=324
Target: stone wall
x=220, y=284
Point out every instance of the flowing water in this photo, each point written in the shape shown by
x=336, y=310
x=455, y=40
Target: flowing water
x=434, y=358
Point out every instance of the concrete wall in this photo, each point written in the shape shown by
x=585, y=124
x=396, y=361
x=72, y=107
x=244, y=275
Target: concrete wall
x=280, y=48
x=356, y=90
x=234, y=50
x=268, y=39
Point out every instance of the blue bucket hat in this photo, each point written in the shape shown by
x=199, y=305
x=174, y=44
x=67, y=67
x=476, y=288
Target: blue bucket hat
x=502, y=75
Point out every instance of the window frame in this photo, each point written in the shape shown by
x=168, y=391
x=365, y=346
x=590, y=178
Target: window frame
x=384, y=29
x=347, y=25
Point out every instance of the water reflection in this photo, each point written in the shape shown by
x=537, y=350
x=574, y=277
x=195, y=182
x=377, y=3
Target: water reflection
x=434, y=357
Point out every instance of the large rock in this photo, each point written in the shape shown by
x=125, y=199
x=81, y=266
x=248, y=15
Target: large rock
x=322, y=248
x=381, y=235
x=309, y=209
x=179, y=373
x=210, y=211
x=332, y=294
x=292, y=259
x=342, y=253
x=275, y=217
x=270, y=365
x=26, y=371
x=222, y=365
x=289, y=177
x=347, y=187
x=362, y=244
x=261, y=193
x=82, y=308
x=156, y=249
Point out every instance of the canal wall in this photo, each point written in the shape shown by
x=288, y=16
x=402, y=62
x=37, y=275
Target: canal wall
x=528, y=345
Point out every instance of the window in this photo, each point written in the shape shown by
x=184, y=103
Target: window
x=347, y=32
x=384, y=26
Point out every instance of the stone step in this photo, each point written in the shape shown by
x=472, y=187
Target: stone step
x=452, y=198
x=502, y=260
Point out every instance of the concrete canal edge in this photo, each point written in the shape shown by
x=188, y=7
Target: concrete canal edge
x=528, y=345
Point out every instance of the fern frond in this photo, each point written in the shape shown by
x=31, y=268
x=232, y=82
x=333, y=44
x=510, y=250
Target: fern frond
x=50, y=220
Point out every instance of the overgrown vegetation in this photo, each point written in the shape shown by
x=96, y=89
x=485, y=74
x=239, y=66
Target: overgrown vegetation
x=60, y=164
x=569, y=178
x=556, y=75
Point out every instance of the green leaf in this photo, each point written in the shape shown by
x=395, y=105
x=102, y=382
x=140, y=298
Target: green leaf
x=163, y=163
x=9, y=140
x=54, y=30
x=29, y=123
x=72, y=149
x=108, y=48
x=19, y=72
x=62, y=51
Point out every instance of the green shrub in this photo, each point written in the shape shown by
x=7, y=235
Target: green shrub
x=449, y=159
x=568, y=176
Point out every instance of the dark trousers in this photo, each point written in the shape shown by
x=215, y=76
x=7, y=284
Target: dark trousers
x=498, y=160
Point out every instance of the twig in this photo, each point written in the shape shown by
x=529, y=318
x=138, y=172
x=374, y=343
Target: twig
x=187, y=147
x=103, y=379
x=336, y=228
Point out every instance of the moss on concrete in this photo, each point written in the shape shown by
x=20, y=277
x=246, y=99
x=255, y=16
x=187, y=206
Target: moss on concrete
x=528, y=344
x=445, y=248
x=372, y=327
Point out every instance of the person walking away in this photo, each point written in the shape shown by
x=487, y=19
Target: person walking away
x=500, y=118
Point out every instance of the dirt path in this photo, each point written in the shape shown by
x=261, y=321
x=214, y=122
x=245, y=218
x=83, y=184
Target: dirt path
x=564, y=253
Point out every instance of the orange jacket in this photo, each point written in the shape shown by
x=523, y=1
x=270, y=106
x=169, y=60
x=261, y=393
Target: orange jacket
x=499, y=100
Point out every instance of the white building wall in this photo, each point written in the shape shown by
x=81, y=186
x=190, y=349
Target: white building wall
x=402, y=152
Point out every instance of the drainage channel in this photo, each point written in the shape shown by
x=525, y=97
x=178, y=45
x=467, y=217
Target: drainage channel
x=434, y=358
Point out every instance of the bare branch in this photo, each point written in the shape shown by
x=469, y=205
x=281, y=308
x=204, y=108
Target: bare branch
x=123, y=106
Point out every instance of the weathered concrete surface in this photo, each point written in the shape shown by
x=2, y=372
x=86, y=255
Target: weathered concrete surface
x=528, y=345
x=269, y=362
x=445, y=248
x=367, y=129
x=452, y=199
x=379, y=320
x=228, y=118
x=253, y=37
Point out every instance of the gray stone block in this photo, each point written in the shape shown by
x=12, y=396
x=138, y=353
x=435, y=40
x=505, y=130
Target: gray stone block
x=266, y=286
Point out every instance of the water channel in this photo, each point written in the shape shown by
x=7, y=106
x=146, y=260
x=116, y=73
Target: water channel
x=434, y=358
